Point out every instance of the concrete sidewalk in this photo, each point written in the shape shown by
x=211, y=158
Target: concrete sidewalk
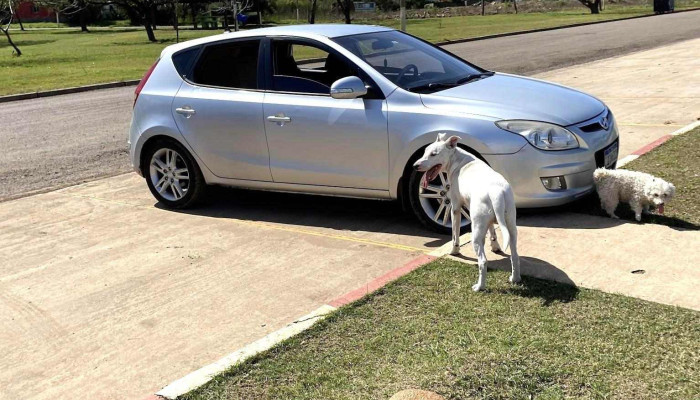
x=105, y=295
x=651, y=93
x=651, y=262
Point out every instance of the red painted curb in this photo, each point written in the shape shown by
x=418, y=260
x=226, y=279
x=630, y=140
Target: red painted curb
x=656, y=143
x=381, y=281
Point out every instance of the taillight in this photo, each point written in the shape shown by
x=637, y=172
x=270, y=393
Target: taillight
x=143, y=81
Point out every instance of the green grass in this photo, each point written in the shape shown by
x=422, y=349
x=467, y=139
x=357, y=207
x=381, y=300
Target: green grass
x=429, y=330
x=677, y=161
x=64, y=58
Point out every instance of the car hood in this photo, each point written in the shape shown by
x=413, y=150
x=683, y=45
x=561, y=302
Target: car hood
x=506, y=96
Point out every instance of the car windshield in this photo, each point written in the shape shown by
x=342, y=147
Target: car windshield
x=411, y=63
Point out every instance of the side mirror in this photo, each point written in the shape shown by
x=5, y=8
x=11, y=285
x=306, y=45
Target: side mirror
x=350, y=87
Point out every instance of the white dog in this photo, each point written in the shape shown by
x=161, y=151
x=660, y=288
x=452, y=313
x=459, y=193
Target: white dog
x=486, y=194
x=638, y=189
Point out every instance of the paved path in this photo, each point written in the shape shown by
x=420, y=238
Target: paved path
x=105, y=295
x=63, y=140
x=651, y=92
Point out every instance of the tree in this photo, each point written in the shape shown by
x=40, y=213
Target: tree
x=77, y=8
x=346, y=6
x=232, y=8
x=143, y=11
x=593, y=5
x=6, y=15
x=312, y=12
x=17, y=18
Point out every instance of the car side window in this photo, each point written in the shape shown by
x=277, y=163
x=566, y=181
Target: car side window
x=183, y=61
x=301, y=67
x=229, y=65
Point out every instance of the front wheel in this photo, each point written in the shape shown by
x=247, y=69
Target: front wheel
x=431, y=205
x=172, y=175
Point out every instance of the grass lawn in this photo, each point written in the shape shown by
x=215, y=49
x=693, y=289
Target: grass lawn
x=63, y=58
x=429, y=330
x=677, y=161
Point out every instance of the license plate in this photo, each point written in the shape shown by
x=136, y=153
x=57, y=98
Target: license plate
x=610, y=155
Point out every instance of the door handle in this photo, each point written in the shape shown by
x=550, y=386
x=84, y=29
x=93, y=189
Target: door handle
x=187, y=111
x=279, y=118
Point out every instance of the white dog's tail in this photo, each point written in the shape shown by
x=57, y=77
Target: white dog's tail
x=504, y=207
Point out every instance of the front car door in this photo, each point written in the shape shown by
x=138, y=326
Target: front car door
x=219, y=107
x=313, y=138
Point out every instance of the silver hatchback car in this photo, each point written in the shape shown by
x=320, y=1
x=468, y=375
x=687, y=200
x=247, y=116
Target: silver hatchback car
x=345, y=110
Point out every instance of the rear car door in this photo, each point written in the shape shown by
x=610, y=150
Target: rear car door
x=218, y=109
x=313, y=138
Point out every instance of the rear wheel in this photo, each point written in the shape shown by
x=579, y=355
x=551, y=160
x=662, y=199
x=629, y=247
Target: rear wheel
x=431, y=205
x=172, y=175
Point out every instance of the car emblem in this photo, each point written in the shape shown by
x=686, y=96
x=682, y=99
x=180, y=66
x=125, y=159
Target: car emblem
x=605, y=123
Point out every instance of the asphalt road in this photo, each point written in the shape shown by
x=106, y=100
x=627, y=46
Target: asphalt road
x=59, y=141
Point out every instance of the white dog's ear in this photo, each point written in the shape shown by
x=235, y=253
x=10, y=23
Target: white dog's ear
x=452, y=142
x=441, y=137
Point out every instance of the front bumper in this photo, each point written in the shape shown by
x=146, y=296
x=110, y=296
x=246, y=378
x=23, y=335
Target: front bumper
x=525, y=169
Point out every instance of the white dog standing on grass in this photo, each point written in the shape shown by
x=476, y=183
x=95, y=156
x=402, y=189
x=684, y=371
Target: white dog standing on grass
x=638, y=189
x=487, y=195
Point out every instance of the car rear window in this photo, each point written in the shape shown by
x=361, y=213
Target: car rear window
x=229, y=65
x=184, y=59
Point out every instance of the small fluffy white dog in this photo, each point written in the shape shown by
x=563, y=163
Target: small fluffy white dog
x=487, y=195
x=638, y=189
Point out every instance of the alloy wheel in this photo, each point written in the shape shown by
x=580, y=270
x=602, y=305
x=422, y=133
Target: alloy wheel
x=436, y=205
x=169, y=174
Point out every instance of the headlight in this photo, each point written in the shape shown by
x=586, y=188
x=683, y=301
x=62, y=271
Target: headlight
x=541, y=134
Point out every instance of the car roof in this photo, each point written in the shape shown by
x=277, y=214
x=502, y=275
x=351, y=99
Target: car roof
x=306, y=30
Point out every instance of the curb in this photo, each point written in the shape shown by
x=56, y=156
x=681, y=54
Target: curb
x=498, y=35
x=656, y=143
x=77, y=89
x=205, y=374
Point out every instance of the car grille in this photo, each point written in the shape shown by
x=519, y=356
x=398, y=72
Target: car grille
x=594, y=127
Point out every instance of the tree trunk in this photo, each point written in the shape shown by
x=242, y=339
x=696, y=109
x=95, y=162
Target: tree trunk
x=594, y=6
x=515, y=4
x=149, y=31
x=83, y=20
x=153, y=17
x=194, y=15
x=312, y=14
x=9, y=39
x=259, y=13
x=483, y=7
x=19, y=21
x=346, y=11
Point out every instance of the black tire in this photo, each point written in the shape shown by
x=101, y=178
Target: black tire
x=415, y=202
x=192, y=188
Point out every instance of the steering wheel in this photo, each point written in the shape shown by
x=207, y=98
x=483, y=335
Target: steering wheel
x=405, y=70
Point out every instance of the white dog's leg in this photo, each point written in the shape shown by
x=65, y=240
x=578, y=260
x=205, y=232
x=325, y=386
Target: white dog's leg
x=456, y=222
x=514, y=257
x=494, y=239
x=609, y=202
x=636, y=206
x=478, y=238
